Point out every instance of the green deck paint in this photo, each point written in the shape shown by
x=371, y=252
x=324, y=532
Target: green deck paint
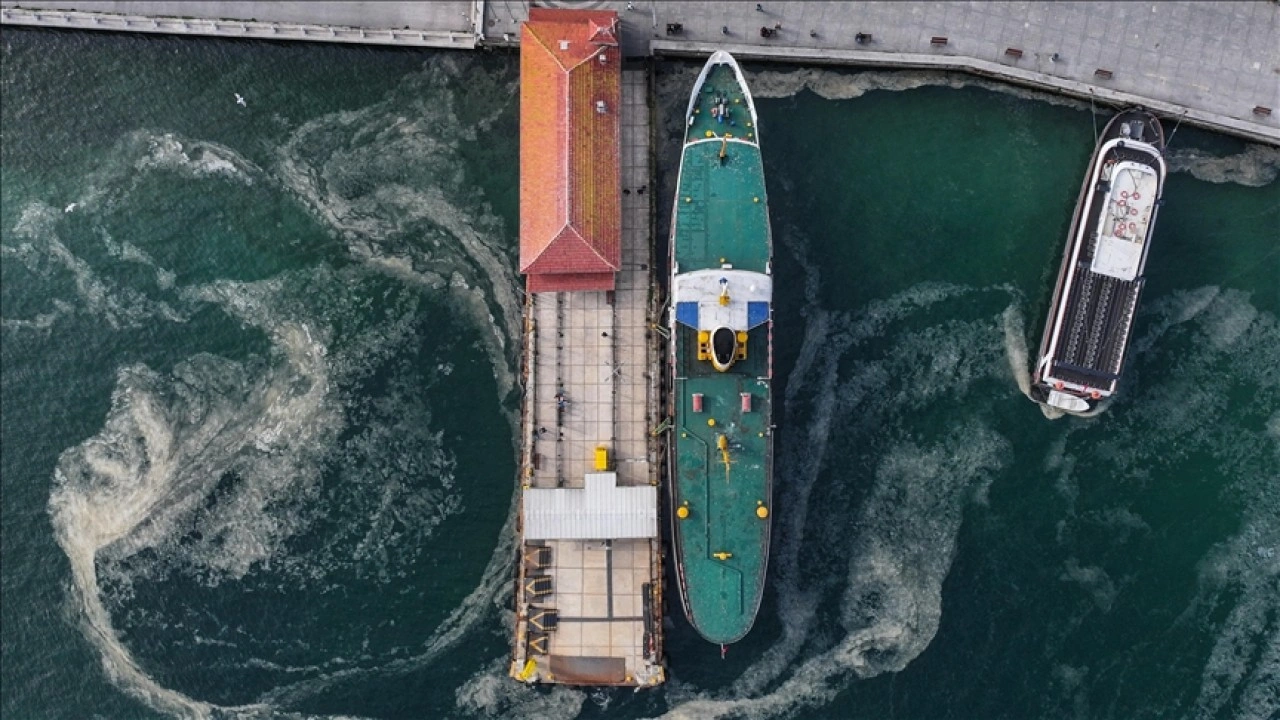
x=721, y=217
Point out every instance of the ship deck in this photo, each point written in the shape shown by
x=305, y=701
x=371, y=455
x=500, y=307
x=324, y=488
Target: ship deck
x=1112, y=230
x=589, y=610
x=722, y=499
x=721, y=218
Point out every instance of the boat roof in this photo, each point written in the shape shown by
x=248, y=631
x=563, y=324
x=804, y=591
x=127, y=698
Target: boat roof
x=1126, y=214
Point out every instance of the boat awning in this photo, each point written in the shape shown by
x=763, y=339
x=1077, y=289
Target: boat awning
x=599, y=511
x=1126, y=221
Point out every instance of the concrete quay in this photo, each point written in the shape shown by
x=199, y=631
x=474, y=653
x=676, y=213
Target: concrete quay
x=438, y=24
x=1212, y=63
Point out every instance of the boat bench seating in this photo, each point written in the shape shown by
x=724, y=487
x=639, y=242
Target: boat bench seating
x=1013, y=52
x=1102, y=73
x=1262, y=111
x=938, y=40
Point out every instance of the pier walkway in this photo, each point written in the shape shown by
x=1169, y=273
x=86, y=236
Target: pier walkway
x=591, y=384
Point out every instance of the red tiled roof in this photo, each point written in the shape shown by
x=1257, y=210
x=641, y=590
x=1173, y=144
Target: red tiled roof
x=569, y=282
x=570, y=180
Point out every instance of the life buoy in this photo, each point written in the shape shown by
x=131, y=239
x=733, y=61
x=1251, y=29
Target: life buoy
x=1058, y=385
x=1133, y=227
x=1124, y=193
x=1095, y=394
x=1135, y=195
x=1122, y=203
x=1133, y=211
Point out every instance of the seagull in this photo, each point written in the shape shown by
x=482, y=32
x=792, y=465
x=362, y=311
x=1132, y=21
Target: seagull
x=240, y=101
x=69, y=208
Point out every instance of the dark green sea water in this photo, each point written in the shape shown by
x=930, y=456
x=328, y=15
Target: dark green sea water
x=258, y=406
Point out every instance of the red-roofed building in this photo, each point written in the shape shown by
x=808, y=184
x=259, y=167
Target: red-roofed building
x=570, y=181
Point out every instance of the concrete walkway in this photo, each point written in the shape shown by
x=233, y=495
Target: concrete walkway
x=438, y=24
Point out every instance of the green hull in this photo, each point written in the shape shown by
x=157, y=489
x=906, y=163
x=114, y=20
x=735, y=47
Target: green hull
x=721, y=256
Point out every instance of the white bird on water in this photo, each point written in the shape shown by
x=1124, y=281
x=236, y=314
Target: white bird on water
x=240, y=101
x=70, y=207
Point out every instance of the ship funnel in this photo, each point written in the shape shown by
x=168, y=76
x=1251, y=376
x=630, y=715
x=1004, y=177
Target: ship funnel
x=724, y=348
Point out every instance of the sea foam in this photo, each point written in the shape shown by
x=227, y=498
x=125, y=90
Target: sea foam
x=125, y=502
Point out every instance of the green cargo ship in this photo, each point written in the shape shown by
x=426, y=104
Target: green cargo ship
x=721, y=330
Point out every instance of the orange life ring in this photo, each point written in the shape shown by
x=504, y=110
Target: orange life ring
x=1058, y=385
x=1095, y=394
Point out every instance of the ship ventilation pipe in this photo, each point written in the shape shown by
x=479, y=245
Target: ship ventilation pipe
x=697, y=402
x=746, y=402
